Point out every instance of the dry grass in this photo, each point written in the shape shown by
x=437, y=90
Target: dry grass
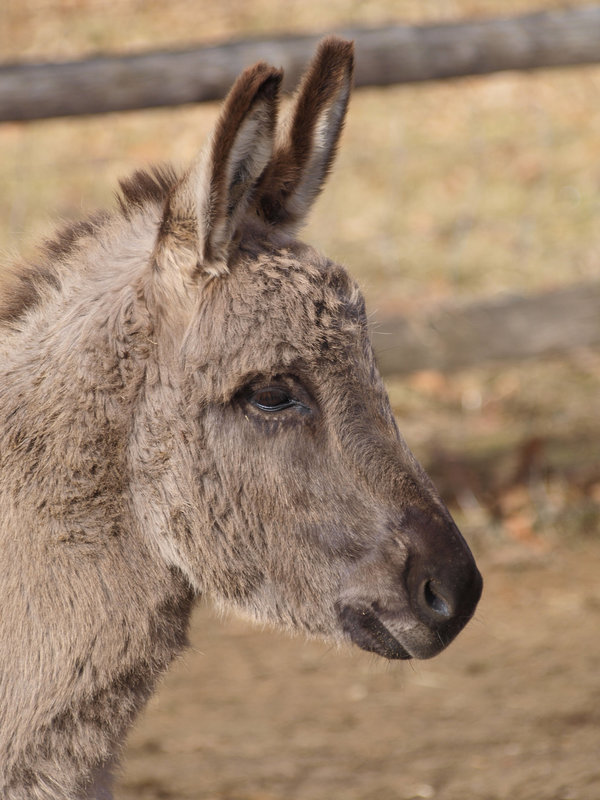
x=457, y=189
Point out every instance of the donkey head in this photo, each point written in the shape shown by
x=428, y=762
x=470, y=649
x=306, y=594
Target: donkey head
x=267, y=462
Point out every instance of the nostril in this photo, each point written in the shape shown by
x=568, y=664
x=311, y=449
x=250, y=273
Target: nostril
x=435, y=600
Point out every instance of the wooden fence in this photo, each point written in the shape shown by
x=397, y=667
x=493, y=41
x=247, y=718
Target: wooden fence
x=394, y=54
x=505, y=328
x=450, y=338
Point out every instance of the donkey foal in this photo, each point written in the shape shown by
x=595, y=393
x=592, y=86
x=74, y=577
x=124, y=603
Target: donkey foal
x=189, y=405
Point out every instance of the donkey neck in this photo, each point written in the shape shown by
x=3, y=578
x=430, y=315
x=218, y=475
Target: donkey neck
x=91, y=616
x=97, y=627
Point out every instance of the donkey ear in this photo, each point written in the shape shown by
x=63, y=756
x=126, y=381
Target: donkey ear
x=307, y=142
x=204, y=207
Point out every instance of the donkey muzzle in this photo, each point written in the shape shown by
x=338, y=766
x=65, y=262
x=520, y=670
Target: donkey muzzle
x=413, y=602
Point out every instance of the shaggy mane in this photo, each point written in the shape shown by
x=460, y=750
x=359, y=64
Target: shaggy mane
x=25, y=287
x=145, y=187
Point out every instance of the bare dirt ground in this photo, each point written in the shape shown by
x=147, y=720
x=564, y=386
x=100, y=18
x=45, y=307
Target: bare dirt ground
x=511, y=710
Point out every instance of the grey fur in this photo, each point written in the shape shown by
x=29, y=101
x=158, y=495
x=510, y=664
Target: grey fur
x=139, y=469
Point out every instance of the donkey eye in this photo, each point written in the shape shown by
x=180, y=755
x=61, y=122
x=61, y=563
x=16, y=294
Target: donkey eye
x=272, y=399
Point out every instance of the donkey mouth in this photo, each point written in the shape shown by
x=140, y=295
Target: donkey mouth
x=368, y=632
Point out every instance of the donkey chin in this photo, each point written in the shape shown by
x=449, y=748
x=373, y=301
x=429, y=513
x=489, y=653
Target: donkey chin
x=399, y=635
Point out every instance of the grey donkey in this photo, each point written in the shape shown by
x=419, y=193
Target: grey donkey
x=189, y=405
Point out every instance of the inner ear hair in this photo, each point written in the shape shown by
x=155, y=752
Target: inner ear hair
x=307, y=140
x=203, y=209
x=242, y=147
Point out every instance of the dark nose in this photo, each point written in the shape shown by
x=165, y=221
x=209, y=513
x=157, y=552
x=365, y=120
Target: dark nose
x=444, y=595
x=443, y=582
x=436, y=600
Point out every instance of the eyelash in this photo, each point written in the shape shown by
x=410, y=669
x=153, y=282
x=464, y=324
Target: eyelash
x=278, y=397
x=273, y=398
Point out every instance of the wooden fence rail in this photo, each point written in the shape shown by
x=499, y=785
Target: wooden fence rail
x=506, y=328
x=394, y=54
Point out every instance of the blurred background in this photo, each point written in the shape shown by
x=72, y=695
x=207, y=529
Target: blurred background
x=446, y=195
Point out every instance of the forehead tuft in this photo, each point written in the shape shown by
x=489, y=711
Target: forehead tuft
x=296, y=273
x=277, y=310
